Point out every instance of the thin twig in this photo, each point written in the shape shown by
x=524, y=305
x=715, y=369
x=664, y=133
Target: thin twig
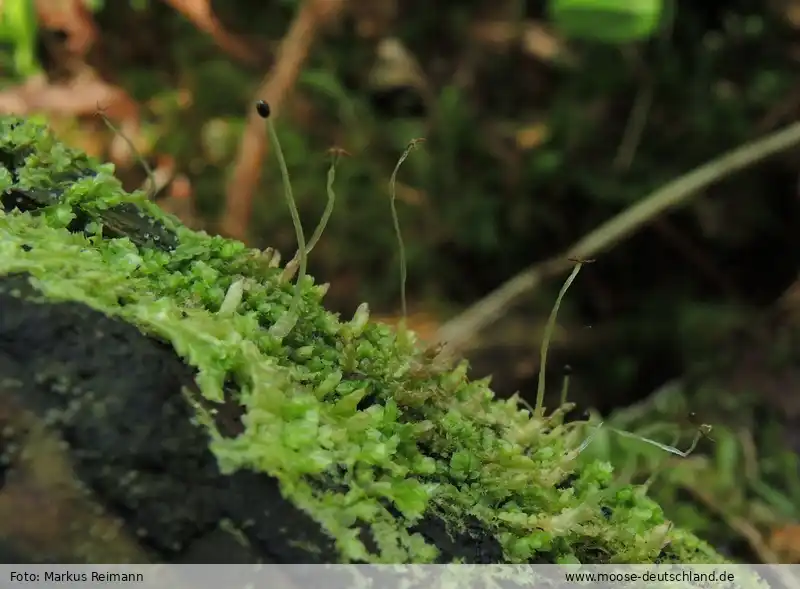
x=152, y=187
x=463, y=328
x=635, y=126
x=201, y=15
x=637, y=120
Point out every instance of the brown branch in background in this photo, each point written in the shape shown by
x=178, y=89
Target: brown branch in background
x=622, y=163
x=199, y=13
x=458, y=332
x=291, y=56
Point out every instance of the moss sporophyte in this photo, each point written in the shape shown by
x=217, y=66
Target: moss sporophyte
x=326, y=399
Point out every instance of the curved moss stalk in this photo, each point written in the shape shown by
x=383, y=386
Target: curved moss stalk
x=548, y=335
x=326, y=215
x=402, y=331
x=291, y=267
x=287, y=321
x=152, y=189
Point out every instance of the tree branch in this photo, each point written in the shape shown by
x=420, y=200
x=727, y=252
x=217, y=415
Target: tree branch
x=457, y=332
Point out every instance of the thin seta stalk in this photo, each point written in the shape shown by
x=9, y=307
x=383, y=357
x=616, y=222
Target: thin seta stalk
x=336, y=153
x=402, y=328
x=151, y=177
x=548, y=335
x=287, y=321
x=291, y=267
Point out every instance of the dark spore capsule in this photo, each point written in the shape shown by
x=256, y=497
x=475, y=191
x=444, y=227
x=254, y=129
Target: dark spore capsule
x=262, y=108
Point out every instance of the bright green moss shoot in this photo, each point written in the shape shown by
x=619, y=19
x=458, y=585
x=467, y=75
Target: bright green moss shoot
x=502, y=466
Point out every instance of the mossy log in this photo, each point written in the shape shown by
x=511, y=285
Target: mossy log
x=149, y=415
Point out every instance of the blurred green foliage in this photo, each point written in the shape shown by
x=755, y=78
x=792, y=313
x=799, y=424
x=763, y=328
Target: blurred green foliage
x=18, y=29
x=611, y=21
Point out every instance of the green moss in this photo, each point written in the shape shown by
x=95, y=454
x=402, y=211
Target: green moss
x=398, y=436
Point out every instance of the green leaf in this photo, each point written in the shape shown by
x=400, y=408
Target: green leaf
x=410, y=497
x=18, y=24
x=464, y=465
x=607, y=21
